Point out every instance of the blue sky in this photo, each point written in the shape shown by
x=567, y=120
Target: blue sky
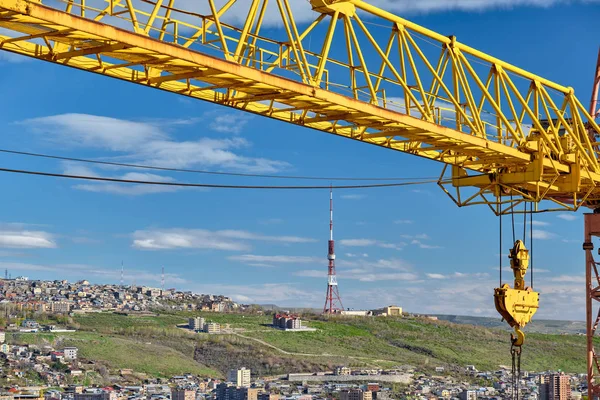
x=409, y=246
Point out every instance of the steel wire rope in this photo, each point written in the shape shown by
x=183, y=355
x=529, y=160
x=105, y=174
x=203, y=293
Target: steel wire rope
x=531, y=243
x=525, y=222
x=512, y=214
x=210, y=185
x=500, y=236
x=197, y=171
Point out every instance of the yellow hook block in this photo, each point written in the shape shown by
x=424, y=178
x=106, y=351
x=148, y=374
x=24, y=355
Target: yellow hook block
x=517, y=305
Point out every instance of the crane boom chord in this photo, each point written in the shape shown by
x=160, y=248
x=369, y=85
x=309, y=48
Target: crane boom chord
x=504, y=131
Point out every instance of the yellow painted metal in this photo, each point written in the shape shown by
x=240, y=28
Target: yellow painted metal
x=517, y=305
x=355, y=71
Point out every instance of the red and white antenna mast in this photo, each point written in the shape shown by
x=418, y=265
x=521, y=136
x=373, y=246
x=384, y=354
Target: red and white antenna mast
x=333, y=302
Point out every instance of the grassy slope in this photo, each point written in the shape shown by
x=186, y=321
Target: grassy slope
x=421, y=342
x=154, y=345
x=149, y=357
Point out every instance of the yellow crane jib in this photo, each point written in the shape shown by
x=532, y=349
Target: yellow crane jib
x=517, y=305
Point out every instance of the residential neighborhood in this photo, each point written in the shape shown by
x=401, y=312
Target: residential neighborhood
x=61, y=296
x=33, y=366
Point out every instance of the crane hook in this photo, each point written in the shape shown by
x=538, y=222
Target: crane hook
x=519, y=339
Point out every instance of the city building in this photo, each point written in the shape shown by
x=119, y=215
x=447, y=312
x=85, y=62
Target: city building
x=373, y=387
x=60, y=307
x=2, y=336
x=355, y=394
x=247, y=393
x=268, y=396
x=555, y=387
x=342, y=370
x=212, y=327
x=239, y=377
x=196, y=324
x=389, y=311
x=70, y=353
x=287, y=321
x=182, y=394
x=468, y=395
x=99, y=395
x=225, y=391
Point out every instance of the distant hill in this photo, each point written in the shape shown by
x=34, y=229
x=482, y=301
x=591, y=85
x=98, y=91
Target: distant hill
x=547, y=326
x=536, y=326
x=156, y=346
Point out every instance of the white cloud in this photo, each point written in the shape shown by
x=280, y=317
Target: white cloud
x=20, y=236
x=540, y=223
x=237, y=234
x=128, y=189
x=229, y=122
x=228, y=240
x=403, y=221
x=392, y=263
x=543, y=235
x=353, y=196
x=371, y=243
x=170, y=239
x=568, y=217
x=83, y=130
x=357, y=242
x=405, y=276
x=354, y=255
x=251, y=259
x=364, y=270
x=568, y=278
x=261, y=265
x=360, y=275
x=147, y=143
x=436, y=276
x=424, y=245
x=420, y=236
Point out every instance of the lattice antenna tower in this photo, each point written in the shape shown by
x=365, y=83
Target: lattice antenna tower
x=333, y=302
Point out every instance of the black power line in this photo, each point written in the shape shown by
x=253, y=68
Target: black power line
x=196, y=171
x=209, y=185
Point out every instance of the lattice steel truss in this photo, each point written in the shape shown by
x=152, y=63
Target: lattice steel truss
x=355, y=71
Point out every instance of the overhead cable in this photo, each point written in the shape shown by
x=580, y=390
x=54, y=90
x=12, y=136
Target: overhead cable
x=210, y=185
x=197, y=171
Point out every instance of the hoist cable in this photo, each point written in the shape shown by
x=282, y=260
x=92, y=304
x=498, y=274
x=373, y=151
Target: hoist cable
x=525, y=223
x=500, y=236
x=531, y=244
x=512, y=214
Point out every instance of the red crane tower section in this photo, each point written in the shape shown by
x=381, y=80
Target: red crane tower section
x=592, y=282
x=333, y=302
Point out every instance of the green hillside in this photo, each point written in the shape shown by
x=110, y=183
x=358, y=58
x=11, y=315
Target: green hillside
x=156, y=346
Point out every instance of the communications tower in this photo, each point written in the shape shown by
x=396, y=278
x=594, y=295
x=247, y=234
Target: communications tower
x=333, y=302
